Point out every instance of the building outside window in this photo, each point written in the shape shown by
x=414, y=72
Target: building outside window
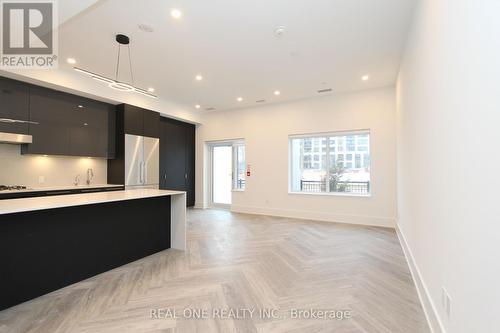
x=331, y=163
x=239, y=166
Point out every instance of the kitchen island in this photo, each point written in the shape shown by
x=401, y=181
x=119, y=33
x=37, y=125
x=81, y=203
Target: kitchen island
x=47, y=243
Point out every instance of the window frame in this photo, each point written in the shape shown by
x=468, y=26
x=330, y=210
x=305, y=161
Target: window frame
x=328, y=151
x=235, y=146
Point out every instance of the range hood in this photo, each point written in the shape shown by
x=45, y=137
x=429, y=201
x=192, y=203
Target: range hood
x=14, y=137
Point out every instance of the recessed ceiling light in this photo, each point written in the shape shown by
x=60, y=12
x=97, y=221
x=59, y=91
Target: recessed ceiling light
x=239, y=99
x=85, y=124
x=71, y=61
x=198, y=77
x=365, y=77
x=197, y=106
x=277, y=92
x=175, y=13
x=80, y=106
x=151, y=89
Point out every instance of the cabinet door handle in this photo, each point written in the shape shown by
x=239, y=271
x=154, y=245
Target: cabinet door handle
x=186, y=176
x=58, y=192
x=165, y=176
x=91, y=190
x=141, y=181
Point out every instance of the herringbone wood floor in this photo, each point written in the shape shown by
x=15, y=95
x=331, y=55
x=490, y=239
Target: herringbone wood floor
x=237, y=261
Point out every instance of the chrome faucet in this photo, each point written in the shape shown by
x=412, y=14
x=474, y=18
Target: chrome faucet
x=90, y=176
x=76, y=182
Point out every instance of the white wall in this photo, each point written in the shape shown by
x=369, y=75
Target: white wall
x=266, y=130
x=448, y=159
x=17, y=169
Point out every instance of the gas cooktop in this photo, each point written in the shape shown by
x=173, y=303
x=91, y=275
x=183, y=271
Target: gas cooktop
x=12, y=188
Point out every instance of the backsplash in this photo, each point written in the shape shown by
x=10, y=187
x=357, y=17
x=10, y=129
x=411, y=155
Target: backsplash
x=29, y=170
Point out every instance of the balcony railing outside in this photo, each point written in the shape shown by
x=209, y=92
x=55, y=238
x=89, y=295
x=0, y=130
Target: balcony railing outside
x=344, y=186
x=240, y=184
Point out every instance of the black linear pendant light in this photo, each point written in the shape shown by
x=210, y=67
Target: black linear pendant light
x=114, y=83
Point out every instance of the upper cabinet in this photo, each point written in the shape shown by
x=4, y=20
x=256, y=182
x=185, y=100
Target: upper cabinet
x=14, y=105
x=69, y=125
x=138, y=121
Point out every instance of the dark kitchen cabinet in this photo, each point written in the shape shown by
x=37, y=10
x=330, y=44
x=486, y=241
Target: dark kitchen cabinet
x=135, y=121
x=51, y=111
x=14, y=105
x=70, y=125
x=90, y=133
x=138, y=121
x=190, y=163
x=151, y=124
x=133, y=118
x=177, y=157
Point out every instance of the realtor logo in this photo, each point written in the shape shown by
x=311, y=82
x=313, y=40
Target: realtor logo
x=29, y=38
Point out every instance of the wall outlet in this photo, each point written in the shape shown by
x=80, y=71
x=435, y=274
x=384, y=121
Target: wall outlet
x=446, y=301
x=41, y=179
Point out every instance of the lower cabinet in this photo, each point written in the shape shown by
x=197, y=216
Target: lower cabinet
x=177, y=157
x=45, y=250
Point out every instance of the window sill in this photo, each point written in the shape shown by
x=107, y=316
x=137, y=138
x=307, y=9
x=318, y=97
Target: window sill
x=333, y=194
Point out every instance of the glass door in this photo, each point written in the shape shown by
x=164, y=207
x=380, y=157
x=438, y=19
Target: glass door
x=222, y=174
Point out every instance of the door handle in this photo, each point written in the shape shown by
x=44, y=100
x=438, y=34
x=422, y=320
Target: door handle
x=140, y=173
x=165, y=176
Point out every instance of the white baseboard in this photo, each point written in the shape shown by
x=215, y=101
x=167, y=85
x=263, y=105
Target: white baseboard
x=432, y=316
x=385, y=222
x=200, y=205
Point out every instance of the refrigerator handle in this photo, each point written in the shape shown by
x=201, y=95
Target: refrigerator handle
x=140, y=173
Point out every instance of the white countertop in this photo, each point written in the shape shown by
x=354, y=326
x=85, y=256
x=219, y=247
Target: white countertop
x=10, y=206
x=60, y=188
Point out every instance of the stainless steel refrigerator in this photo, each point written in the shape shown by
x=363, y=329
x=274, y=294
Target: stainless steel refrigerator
x=142, y=162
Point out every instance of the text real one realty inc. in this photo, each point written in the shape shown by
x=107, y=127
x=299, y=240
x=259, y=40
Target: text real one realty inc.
x=229, y=313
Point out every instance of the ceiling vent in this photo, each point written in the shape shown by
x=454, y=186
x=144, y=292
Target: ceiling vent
x=210, y=109
x=279, y=31
x=324, y=90
x=145, y=27
x=260, y=101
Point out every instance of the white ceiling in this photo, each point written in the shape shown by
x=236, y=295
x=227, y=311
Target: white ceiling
x=327, y=44
x=68, y=9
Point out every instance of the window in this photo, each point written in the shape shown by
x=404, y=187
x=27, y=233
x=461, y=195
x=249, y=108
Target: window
x=351, y=146
x=340, y=164
x=239, y=166
x=307, y=146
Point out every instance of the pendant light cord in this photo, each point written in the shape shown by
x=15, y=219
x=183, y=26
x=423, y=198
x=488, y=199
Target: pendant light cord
x=117, y=63
x=130, y=65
